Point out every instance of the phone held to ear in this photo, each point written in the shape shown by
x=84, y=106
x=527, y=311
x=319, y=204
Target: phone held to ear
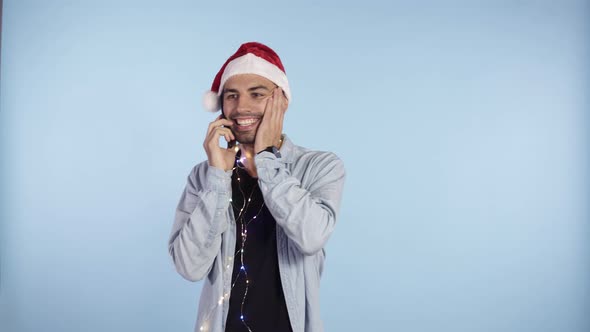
x=231, y=144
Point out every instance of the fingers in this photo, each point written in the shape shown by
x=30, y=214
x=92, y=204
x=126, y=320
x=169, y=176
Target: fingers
x=276, y=104
x=220, y=131
x=278, y=111
x=218, y=127
x=281, y=101
x=269, y=103
x=216, y=155
x=219, y=121
x=285, y=102
x=271, y=126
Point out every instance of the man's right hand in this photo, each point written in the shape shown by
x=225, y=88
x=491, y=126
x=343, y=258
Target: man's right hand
x=217, y=156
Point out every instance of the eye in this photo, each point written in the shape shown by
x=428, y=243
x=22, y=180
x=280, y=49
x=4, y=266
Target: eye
x=257, y=95
x=230, y=96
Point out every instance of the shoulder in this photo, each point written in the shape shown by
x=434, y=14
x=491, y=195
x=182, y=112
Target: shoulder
x=202, y=175
x=317, y=163
x=303, y=154
x=199, y=169
x=318, y=157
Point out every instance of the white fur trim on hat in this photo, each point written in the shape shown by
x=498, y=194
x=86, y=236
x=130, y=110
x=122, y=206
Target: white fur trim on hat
x=211, y=101
x=251, y=64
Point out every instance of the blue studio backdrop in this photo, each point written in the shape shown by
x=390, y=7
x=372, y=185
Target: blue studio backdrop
x=463, y=126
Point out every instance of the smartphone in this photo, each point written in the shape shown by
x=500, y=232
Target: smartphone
x=231, y=143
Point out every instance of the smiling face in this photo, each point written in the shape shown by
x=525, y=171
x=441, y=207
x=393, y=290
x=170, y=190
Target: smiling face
x=244, y=100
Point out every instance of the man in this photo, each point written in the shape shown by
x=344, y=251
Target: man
x=254, y=218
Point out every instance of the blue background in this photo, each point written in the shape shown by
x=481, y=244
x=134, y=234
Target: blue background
x=463, y=127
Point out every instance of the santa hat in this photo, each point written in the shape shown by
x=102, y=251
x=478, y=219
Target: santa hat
x=250, y=58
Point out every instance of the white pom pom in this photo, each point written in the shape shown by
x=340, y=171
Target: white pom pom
x=211, y=101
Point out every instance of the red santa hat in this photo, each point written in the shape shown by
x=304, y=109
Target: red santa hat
x=250, y=58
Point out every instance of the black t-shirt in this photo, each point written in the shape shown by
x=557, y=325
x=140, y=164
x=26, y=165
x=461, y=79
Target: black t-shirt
x=264, y=308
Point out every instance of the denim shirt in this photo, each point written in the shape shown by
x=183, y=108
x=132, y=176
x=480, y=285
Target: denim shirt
x=302, y=190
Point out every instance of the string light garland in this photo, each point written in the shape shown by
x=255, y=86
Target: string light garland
x=243, y=224
x=241, y=220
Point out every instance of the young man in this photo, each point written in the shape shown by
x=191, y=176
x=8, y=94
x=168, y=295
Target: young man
x=254, y=218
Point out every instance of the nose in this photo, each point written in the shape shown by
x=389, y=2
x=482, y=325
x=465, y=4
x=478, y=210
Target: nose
x=243, y=104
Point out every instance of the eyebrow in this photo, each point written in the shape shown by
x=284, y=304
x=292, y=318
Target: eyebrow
x=258, y=87
x=229, y=90
x=249, y=89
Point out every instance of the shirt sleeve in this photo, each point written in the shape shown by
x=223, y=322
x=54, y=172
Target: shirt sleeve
x=307, y=215
x=201, y=217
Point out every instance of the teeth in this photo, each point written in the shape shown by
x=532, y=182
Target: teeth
x=245, y=122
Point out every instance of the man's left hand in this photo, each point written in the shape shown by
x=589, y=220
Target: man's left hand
x=271, y=126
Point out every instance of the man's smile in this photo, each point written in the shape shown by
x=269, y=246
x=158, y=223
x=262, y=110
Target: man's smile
x=245, y=123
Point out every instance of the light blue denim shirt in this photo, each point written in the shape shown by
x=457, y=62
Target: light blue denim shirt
x=302, y=190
